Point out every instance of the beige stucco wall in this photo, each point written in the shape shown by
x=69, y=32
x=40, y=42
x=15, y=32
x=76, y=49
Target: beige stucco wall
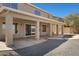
x=50, y=16
x=67, y=30
x=59, y=29
x=22, y=19
x=25, y=7
x=22, y=31
x=30, y=9
x=47, y=29
x=21, y=27
x=54, y=28
x=1, y=28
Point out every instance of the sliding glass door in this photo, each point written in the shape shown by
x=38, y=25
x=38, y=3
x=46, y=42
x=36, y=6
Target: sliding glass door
x=30, y=29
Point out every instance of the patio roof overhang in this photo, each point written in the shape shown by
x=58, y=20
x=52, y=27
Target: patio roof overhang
x=7, y=9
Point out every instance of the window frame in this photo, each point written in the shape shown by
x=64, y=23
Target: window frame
x=16, y=29
x=44, y=28
x=37, y=12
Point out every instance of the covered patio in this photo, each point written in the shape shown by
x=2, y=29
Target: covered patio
x=23, y=22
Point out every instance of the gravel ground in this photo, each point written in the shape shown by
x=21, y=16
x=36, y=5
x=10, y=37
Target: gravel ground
x=51, y=47
x=69, y=48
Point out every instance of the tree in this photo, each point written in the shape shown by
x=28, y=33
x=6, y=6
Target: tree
x=72, y=20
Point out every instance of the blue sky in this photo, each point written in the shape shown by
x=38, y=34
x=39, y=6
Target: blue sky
x=59, y=9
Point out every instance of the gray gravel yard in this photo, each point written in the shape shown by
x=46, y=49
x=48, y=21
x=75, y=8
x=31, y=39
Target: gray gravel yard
x=69, y=48
x=52, y=47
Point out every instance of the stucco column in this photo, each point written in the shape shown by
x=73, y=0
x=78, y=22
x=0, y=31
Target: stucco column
x=62, y=29
x=37, y=30
x=51, y=30
x=9, y=30
x=21, y=30
x=57, y=29
x=0, y=28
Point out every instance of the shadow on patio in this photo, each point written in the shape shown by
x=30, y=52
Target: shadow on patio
x=40, y=49
x=35, y=50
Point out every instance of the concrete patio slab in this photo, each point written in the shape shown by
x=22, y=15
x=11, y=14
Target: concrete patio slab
x=35, y=50
x=27, y=42
x=52, y=47
x=20, y=43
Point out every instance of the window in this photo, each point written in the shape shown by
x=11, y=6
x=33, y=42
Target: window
x=37, y=12
x=11, y=5
x=33, y=27
x=30, y=29
x=43, y=28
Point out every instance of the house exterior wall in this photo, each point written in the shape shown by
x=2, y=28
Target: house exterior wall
x=67, y=30
x=26, y=8
x=22, y=20
x=30, y=9
x=22, y=31
x=16, y=15
x=21, y=28
x=47, y=29
x=1, y=29
x=54, y=29
x=59, y=29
